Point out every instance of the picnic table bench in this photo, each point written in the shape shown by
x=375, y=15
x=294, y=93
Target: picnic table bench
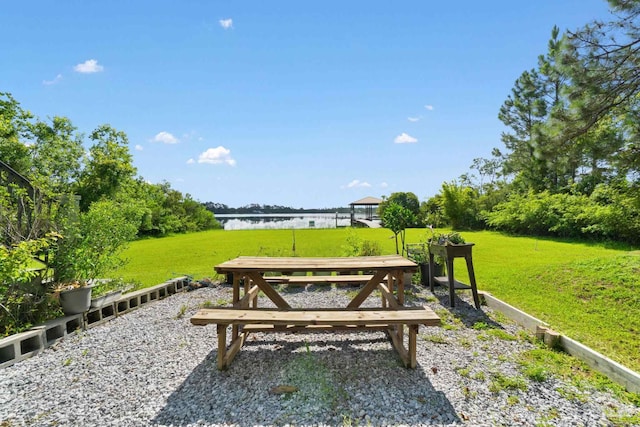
x=293, y=320
x=245, y=317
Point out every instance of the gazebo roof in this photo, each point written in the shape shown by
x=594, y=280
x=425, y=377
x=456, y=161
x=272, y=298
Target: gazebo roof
x=367, y=201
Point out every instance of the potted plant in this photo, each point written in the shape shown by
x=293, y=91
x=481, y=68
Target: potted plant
x=106, y=292
x=436, y=244
x=419, y=254
x=89, y=246
x=74, y=296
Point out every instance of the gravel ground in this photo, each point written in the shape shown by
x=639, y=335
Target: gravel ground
x=151, y=367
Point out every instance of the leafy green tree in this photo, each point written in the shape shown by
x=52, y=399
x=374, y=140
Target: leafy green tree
x=90, y=245
x=459, y=205
x=397, y=218
x=524, y=111
x=109, y=167
x=14, y=126
x=407, y=200
x=57, y=153
x=431, y=212
x=23, y=300
x=602, y=60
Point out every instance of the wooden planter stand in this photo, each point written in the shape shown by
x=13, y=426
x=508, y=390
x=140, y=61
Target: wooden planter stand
x=448, y=252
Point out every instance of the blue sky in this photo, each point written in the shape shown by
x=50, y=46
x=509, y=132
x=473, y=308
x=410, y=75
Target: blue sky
x=298, y=103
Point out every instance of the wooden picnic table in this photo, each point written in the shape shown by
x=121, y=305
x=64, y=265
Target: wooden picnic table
x=382, y=273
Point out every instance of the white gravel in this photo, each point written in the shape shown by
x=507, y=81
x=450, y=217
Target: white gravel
x=151, y=367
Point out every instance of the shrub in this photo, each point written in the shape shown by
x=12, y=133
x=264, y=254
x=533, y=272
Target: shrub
x=23, y=300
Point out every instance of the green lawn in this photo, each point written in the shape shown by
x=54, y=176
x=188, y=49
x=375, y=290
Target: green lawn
x=589, y=292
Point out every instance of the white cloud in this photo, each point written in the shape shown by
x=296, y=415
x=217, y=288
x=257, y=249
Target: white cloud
x=226, y=23
x=57, y=79
x=165, y=138
x=404, y=138
x=89, y=66
x=384, y=185
x=139, y=147
x=356, y=183
x=190, y=161
x=413, y=119
x=429, y=107
x=216, y=156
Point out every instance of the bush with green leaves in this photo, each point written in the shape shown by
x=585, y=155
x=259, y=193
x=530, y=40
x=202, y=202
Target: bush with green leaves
x=397, y=218
x=356, y=246
x=24, y=301
x=609, y=213
x=459, y=206
x=90, y=246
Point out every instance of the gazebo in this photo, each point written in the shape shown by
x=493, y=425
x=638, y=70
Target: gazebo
x=370, y=205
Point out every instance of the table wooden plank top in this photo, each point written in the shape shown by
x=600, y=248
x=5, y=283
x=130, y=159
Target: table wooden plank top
x=291, y=264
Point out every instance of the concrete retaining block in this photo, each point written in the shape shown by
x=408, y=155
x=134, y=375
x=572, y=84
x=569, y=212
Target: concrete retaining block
x=24, y=345
x=56, y=329
x=99, y=315
x=21, y=346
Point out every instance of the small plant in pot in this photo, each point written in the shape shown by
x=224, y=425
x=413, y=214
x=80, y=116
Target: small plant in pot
x=87, y=248
x=442, y=239
x=419, y=254
x=74, y=296
x=106, y=291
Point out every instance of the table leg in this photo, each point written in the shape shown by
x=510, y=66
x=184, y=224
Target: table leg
x=413, y=337
x=472, y=281
x=431, y=268
x=400, y=297
x=222, y=345
x=236, y=298
x=452, y=284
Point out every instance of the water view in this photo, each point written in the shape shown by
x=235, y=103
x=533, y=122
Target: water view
x=284, y=221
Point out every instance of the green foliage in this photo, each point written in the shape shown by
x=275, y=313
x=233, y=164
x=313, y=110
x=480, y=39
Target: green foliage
x=56, y=155
x=397, y=218
x=14, y=124
x=609, y=213
x=406, y=200
x=356, y=246
x=431, y=212
x=541, y=363
x=23, y=300
x=166, y=210
x=459, y=206
x=502, y=382
x=109, y=167
x=91, y=246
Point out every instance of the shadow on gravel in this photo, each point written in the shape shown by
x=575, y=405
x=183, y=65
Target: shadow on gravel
x=464, y=310
x=340, y=381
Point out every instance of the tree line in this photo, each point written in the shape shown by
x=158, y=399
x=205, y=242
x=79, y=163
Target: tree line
x=570, y=164
x=51, y=155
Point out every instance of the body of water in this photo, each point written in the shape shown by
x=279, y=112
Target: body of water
x=284, y=221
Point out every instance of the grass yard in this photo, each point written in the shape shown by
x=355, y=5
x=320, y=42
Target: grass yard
x=589, y=292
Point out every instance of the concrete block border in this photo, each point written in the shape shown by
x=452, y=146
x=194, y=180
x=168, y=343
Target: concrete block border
x=18, y=347
x=595, y=360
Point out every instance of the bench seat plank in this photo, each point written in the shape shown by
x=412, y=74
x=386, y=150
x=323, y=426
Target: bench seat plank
x=292, y=320
x=329, y=317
